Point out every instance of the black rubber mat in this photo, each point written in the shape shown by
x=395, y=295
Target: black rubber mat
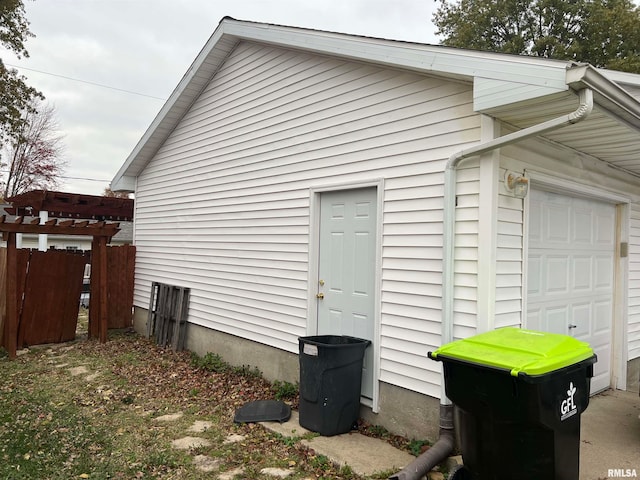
x=263, y=411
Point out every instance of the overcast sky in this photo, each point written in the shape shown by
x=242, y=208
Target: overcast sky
x=145, y=46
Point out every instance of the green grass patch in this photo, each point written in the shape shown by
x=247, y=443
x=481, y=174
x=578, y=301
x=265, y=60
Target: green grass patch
x=284, y=390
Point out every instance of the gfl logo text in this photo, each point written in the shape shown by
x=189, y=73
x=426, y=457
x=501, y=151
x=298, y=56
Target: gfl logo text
x=568, y=406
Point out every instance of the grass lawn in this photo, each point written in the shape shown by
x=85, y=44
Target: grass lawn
x=91, y=410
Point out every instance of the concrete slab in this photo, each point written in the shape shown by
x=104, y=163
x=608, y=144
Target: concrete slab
x=365, y=455
x=171, y=417
x=187, y=443
x=234, y=438
x=290, y=428
x=610, y=436
x=205, y=463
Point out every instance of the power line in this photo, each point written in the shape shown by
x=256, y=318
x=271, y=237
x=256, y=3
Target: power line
x=64, y=177
x=87, y=82
x=87, y=179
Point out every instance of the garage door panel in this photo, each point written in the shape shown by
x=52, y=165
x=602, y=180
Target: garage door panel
x=557, y=274
x=534, y=226
x=581, y=320
x=604, y=272
x=556, y=224
x=534, y=319
x=599, y=367
x=570, y=267
x=582, y=274
x=605, y=230
x=602, y=317
x=556, y=319
x=582, y=227
x=534, y=272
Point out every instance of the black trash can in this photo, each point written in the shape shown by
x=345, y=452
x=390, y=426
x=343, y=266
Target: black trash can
x=330, y=382
x=518, y=397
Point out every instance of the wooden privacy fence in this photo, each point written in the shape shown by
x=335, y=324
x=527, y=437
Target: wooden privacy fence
x=48, y=287
x=17, y=273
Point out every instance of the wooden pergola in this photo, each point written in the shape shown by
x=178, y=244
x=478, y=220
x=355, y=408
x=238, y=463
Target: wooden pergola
x=71, y=205
x=100, y=231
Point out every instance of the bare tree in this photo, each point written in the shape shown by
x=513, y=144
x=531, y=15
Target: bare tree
x=33, y=157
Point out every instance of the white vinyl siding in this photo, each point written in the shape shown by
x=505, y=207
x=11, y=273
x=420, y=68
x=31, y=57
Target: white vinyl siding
x=509, y=259
x=467, y=212
x=223, y=207
x=633, y=334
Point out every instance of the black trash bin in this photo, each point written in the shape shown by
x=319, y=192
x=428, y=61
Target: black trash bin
x=330, y=382
x=518, y=397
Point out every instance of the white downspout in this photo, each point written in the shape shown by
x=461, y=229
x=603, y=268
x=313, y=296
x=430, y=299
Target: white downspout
x=450, y=181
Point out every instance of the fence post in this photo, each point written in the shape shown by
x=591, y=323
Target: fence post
x=12, y=296
x=102, y=253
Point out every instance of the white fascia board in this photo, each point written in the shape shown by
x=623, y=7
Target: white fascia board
x=625, y=78
x=435, y=59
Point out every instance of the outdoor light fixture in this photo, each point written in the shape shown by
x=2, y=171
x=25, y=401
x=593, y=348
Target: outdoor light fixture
x=516, y=184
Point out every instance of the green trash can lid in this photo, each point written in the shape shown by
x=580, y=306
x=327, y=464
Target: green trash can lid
x=519, y=351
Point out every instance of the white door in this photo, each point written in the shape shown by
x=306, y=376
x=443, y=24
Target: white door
x=570, y=273
x=347, y=269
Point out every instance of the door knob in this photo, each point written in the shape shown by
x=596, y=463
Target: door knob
x=320, y=295
x=572, y=326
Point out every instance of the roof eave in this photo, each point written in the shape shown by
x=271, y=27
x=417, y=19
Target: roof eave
x=609, y=96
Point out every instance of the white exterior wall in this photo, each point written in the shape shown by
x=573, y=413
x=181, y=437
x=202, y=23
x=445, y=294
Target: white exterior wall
x=633, y=334
x=224, y=206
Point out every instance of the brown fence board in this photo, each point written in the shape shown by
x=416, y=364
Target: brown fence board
x=22, y=265
x=3, y=291
x=49, y=310
x=120, y=279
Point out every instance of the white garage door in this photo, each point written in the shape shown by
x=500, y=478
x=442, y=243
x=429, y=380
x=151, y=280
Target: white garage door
x=570, y=272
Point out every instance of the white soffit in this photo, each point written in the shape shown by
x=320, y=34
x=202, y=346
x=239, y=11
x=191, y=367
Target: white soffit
x=599, y=135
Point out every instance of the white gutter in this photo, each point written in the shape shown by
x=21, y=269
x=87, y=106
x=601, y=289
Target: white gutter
x=450, y=181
